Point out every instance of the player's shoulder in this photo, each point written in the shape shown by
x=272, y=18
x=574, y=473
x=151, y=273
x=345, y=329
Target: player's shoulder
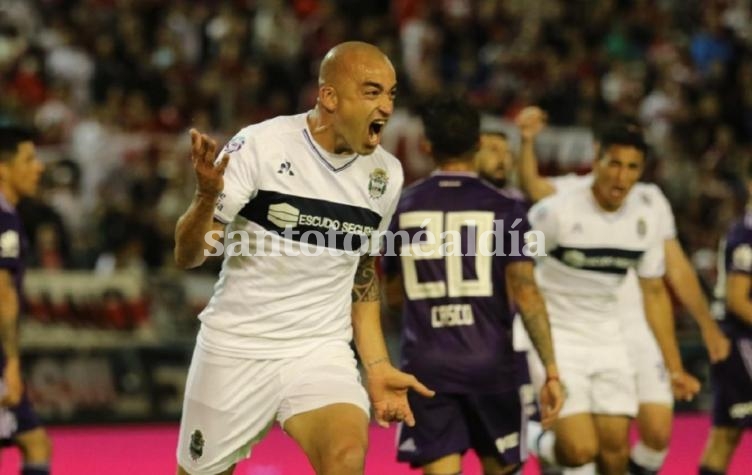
x=649, y=194
x=267, y=131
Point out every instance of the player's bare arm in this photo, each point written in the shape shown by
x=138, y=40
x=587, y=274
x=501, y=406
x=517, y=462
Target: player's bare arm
x=660, y=317
x=198, y=220
x=387, y=386
x=530, y=122
x=525, y=293
x=738, y=286
x=9, y=308
x=683, y=279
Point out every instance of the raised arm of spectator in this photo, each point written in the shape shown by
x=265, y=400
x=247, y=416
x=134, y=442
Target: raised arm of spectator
x=530, y=122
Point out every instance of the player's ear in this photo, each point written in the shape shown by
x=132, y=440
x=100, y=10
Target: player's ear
x=328, y=98
x=425, y=147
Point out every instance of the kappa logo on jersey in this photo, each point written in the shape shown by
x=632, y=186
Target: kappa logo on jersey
x=377, y=182
x=283, y=215
x=235, y=144
x=10, y=244
x=197, y=445
x=285, y=168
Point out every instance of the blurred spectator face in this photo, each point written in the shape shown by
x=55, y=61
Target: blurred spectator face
x=21, y=172
x=493, y=159
x=362, y=101
x=616, y=172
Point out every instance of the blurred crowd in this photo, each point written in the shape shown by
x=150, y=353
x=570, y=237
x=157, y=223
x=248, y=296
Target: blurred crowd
x=113, y=85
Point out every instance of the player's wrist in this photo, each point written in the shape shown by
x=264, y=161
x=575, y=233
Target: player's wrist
x=376, y=365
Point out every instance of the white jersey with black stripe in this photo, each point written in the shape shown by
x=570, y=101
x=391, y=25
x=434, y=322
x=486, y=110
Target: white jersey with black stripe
x=301, y=207
x=589, y=253
x=630, y=296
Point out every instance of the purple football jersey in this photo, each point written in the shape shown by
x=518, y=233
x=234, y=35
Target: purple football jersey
x=738, y=259
x=13, y=243
x=455, y=235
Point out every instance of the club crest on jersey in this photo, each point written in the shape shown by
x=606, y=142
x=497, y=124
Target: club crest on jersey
x=377, y=183
x=197, y=445
x=234, y=144
x=642, y=227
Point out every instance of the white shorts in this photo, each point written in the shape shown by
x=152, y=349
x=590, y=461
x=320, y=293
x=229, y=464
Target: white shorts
x=231, y=403
x=596, y=381
x=653, y=382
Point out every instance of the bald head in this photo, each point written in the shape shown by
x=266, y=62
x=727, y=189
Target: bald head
x=342, y=60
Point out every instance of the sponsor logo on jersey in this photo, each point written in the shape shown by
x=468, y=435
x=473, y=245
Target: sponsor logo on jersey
x=283, y=215
x=378, y=180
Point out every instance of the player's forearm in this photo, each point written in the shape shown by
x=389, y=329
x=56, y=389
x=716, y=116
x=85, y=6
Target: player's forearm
x=366, y=317
x=533, y=185
x=742, y=309
x=191, y=231
x=9, y=309
x=683, y=279
x=532, y=308
x=660, y=317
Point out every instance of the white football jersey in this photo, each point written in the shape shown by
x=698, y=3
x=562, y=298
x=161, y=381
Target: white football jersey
x=589, y=253
x=292, y=290
x=630, y=295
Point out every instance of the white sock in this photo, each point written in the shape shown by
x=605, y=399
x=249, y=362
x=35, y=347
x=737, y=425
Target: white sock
x=646, y=457
x=541, y=443
x=587, y=469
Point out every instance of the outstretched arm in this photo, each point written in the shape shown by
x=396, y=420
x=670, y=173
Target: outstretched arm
x=194, y=225
x=527, y=297
x=683, y=280
x=530, y=122
x=386, y=385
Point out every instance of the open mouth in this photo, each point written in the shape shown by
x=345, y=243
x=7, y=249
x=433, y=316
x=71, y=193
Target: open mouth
x=374, y=131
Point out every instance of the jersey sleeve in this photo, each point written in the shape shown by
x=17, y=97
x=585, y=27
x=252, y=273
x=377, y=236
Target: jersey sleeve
x=667, y=221
x=516, y=228
x=652, y=263
x=390, y=262
x=10, y=242
x=569, y=182
x=740, y=257
x=544, y=225
x=240, y=178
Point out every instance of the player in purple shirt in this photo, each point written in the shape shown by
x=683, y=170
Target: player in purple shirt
x=732, y=377
x=459, y=288
x=19, y=175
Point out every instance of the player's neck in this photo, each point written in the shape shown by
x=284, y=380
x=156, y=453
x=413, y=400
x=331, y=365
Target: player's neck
x=457, y=166
x=322, y=131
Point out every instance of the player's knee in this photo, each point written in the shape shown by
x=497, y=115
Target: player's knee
x=576, y=452
x=35, y=447
x=345, y=456
x=656, y=437
x=614, y=459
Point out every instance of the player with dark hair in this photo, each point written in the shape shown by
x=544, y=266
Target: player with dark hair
x=458, y=288
x=732, y=379
x=19, y=177
x=594, y=236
